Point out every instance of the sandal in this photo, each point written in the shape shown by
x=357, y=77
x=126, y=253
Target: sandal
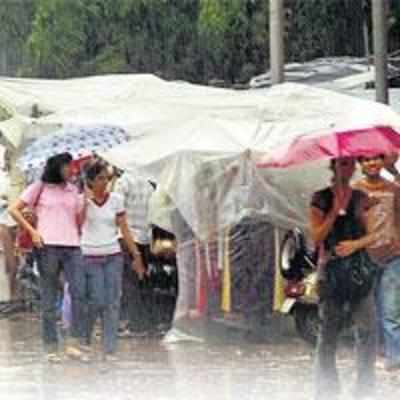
x=53, y=358
x=75, y=353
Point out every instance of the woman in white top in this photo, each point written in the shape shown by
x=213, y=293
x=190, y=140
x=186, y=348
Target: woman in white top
x=103, y=217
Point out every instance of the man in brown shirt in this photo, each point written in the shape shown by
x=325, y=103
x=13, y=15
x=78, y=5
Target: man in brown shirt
x=384, y=218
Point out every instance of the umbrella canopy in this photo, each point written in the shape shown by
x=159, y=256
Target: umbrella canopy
x=77, y=140
x=352, y=143
x=209, y=162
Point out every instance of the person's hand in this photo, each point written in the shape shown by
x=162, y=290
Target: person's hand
x=341, y=200
x=28, y=215
x=138, y=267
x=339, y=204
x=37, y=239
x=88, y=193
x=346, y=248
x=389, y=163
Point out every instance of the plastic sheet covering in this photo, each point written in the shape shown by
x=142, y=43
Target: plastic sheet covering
x=203, y=147
x=209, y=165
x=229, y=276
x=221, y=212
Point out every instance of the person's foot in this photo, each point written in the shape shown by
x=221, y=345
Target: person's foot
x=138, y=334
x=110, y=357
x=380, y=363
x=124, y=333
x=391, y=365
x=75, y=353
x=163, y=328
x=53, y=358
x=86, y=348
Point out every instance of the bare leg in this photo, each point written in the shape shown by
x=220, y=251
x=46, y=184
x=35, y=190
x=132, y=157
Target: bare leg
x=8, y=239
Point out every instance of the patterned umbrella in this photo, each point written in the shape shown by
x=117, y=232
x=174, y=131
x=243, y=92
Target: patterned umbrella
x=77, y=140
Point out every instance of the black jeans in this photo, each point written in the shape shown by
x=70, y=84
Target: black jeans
x=138, y=294
x=333, y=318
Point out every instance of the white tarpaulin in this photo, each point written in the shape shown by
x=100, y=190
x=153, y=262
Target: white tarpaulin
x=200, y=144
x=207, y=162
x=125, y=100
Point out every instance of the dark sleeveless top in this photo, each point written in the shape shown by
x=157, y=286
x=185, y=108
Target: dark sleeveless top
x=346, y=227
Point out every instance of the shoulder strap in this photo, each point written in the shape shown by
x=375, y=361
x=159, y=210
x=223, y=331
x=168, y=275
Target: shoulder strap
x=35, y=203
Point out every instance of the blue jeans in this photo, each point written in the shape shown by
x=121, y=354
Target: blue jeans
x=103, y=276
x=388, y=307
x=51, y=260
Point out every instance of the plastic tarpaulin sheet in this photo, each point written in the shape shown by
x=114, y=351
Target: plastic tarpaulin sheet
x=209, y=166
x=231, y=273
x=203, y=147
x=208, y=163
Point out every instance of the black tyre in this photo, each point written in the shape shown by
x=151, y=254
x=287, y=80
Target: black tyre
x=294, y=259
x=307, y=322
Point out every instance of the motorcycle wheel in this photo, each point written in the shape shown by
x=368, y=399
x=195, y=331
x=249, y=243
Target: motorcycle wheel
x=307, y=322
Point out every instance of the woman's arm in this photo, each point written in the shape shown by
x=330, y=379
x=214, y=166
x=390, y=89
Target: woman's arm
x=347, y=247
x=15, y=211
x=82, y=212
x=137, y=265
x=321, y=224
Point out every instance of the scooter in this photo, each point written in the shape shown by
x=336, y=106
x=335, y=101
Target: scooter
x=298, y=266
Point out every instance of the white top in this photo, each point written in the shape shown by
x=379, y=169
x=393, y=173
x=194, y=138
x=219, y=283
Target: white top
x=136, y=192
x=99, y=230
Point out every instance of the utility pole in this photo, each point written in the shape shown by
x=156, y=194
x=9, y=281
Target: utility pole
x=380, y=31
x=276, y=42
x=367, y=50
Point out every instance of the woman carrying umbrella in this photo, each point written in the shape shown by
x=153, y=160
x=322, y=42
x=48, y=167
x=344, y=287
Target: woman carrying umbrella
x=55, y=235
x=338, y=228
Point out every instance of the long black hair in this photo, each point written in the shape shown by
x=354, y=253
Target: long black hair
x=53, y=170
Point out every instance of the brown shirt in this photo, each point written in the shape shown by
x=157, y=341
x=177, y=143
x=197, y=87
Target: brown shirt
x=383, y=218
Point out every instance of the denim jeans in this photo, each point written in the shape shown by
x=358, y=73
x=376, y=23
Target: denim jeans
x=51, y=260
x=388, y=308
x=333, y=319
x=103, y=276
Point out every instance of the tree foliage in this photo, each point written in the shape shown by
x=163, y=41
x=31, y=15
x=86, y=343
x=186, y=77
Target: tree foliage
x=195, y=40
x=16, y=23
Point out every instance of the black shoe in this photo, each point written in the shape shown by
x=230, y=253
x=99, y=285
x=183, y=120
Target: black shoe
x=124, y=333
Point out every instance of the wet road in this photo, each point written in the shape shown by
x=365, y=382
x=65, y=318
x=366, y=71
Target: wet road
x=217, y=369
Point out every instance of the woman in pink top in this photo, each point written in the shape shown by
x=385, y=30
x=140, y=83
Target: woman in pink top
x=56, y=237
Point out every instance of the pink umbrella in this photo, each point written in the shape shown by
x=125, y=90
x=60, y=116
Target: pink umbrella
x=351, y=143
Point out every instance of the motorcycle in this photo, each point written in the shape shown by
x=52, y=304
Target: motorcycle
x=298, y=267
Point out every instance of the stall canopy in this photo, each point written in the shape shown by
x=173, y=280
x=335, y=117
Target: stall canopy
x=39, y=106
x=211, y=152
x=209, y=162
x=202, y=145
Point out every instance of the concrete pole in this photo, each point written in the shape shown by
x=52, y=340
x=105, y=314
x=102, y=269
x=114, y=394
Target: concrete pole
x=276, y=43
x=367, y=50
x=379, y=24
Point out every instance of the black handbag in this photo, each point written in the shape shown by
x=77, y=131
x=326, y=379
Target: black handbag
x=349, y=279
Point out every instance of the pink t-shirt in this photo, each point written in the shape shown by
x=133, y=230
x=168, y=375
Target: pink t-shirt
x=57, y=208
